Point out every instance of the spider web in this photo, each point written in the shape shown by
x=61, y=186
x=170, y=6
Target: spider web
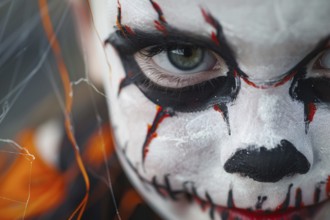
x=33, y=92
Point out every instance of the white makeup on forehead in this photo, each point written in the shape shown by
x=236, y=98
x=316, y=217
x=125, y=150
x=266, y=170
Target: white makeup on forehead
x=268, y=37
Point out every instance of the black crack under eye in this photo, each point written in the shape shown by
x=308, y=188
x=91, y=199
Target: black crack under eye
x=312, y=91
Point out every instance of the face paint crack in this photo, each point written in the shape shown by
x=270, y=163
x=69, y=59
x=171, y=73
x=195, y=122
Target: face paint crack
x=161, y=114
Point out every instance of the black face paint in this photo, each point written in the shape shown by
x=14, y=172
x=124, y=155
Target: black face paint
x=311, y=91
x=298, y=202
x=265, y=165
x=286, y=202
x=223, y=89
x=260, y=202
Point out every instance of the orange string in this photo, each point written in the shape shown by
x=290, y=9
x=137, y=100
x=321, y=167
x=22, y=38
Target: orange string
x=55, y=46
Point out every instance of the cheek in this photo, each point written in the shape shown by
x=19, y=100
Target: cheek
x=187, y=145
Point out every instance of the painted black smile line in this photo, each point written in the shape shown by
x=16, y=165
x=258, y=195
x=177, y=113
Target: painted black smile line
x=189, y=192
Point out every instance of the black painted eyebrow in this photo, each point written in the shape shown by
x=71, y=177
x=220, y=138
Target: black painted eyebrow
x=130, y=44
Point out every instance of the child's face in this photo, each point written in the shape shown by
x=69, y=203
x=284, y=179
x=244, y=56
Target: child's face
x=219, y=107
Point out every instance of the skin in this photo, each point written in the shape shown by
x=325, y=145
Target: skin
x=268, y=40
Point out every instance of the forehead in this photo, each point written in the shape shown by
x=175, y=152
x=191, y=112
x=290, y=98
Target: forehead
x=268, y=37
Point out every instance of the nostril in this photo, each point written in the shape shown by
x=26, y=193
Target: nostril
x=265, y=165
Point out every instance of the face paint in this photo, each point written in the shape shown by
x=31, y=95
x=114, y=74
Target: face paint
x=197, y=99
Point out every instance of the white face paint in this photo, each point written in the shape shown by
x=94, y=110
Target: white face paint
x=246, y=128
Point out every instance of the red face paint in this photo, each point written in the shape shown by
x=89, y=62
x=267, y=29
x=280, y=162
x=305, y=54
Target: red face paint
x=161, y=23
x=327, y=188
x=310, y=110
x=214, y=23
x=124, y=29
x=281, y=82
x=159, y=11
x=151, y=132
x=160, y=27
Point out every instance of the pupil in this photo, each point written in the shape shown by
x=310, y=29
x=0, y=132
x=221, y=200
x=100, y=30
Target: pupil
x=186, y=57
x=187, y=52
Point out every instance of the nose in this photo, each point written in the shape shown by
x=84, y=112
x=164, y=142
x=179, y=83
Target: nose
x=268, y=165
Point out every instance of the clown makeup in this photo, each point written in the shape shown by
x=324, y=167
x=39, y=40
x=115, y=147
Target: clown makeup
x=220, y=109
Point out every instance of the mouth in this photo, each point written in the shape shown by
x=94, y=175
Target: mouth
x=230, y=211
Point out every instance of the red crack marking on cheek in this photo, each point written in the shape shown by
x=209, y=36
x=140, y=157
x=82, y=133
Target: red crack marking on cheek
x=124, y=29
x=161, y=23
x=298, y=199
x=151, y=132
x=285, y=204
x=310, y=110
x=214, y=23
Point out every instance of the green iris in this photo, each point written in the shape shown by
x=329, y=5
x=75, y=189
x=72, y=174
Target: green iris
x=186, y=57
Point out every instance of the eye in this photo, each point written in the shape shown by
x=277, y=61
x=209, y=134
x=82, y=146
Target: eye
x=178, y=66
x=181, y=71
x=321, y=65
x=187, y=57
